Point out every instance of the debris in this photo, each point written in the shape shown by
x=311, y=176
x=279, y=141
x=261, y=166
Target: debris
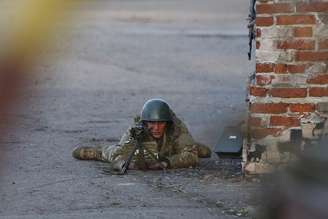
x=115, y=204
x=208, y=177
x=242, y=212
x=219, y=204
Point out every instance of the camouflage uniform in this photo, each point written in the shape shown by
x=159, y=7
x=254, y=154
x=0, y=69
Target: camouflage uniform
x=177, y=146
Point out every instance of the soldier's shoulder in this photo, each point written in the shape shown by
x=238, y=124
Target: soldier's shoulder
x=180, y=126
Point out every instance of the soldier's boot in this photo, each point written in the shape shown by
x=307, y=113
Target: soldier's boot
x=203, y=151
x=87, y=153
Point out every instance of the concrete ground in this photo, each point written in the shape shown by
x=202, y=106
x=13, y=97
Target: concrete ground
x=116, y=55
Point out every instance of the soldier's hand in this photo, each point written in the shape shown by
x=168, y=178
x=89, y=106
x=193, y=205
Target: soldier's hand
x=158, y=166
x=133, y=166
x=154, y=166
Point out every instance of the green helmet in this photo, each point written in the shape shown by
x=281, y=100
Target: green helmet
x=156, y=110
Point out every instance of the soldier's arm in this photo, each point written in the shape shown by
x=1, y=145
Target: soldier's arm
x=125, y=137
x=185, y=138
x=121, y=155
x=184, y=158
x=185, y=151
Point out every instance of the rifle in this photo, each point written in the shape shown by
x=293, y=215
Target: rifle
x=138, y=133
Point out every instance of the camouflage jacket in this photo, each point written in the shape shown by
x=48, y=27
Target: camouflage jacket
x=177, y=146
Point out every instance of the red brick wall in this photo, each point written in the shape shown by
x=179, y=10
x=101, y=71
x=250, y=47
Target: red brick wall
x=291, y=68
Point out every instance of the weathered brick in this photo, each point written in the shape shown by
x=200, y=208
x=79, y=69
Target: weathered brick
x=323, y=44
x=296, y=44
x=258, y=32
x=312, y=7
x=258, y=44
x=270, y=108
x=267, y=44
x=263, y=79
x=301, y=108
x=284, y=121
x=321, y=29
x=316, y=68
x=254, y=121
x=258, y=91
x=318, y=79
x=274, y=8
x=280, y=68
x=264, y=67
x=311, y=56
x=318, y=91
x=288, y=92
x=295, y=19
x=264, y=21
x=303, y=32
x=322, y=107
x=266, y=56
x=281, y=80
x=264, y=132
x=277, y=32
x=296, y=68
x=289, y=73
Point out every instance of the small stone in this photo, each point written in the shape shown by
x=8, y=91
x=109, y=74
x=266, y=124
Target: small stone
x=207, y=177
x=231, y=211
x=219, y=204
x=242, y=212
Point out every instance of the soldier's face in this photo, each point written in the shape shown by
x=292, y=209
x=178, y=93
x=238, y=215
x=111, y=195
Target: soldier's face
x=156, y=129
